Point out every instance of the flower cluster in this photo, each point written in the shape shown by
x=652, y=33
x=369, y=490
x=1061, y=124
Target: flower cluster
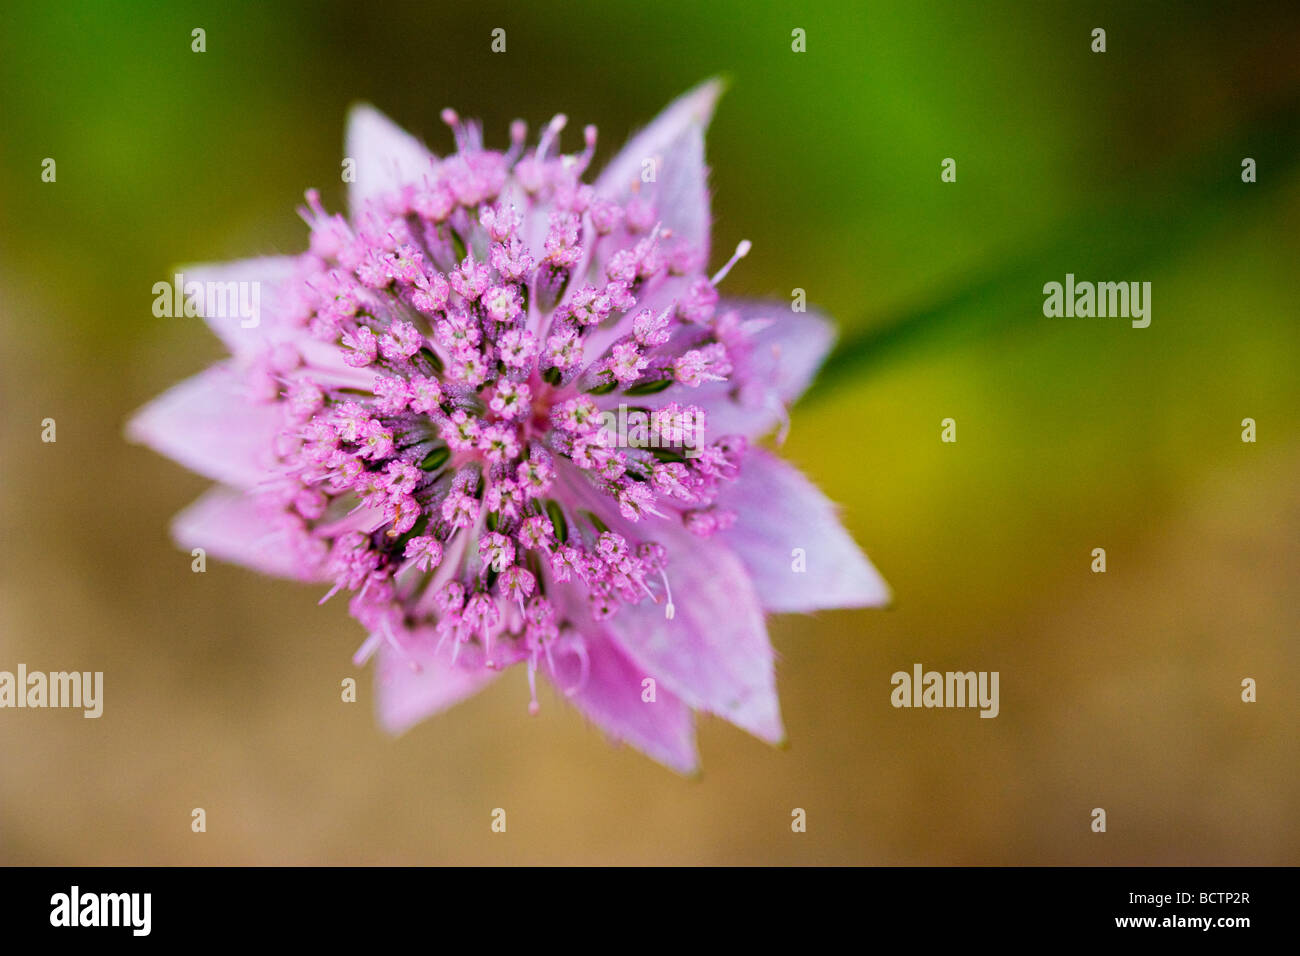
x=422, y=422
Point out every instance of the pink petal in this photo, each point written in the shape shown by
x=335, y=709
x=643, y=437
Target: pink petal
x=676, y=140
x=611, y=697
x=276, y=278
x=228, y=525
x=769, y=376
x=714, y=653
x=208, y=424
x=242, y=335
x=387, y=157
x=414, y=683
x=780, y=510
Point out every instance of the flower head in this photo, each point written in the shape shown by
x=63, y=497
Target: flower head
x=510, y=413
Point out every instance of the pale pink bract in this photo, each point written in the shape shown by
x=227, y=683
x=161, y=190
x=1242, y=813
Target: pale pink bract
x=425, y=414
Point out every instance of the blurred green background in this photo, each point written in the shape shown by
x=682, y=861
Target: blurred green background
x=1118, y=690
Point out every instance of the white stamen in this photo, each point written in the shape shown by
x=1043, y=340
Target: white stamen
x=552, y=130
x=742, y=250
x=533, y=706
x=584, y=667
x=367, y=648
x=670, y=610
x=518, y=133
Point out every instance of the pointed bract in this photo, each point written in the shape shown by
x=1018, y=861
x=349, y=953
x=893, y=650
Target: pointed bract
x=386, y=156
x=791, y=542
x=713, y=652
x=610, y=692
x=674, y=146
x=272, y=276
x=420, y=680
x=209, y=424
x=777, y=353
x=228, y=524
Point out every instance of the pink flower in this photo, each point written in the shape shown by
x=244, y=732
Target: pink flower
x=441, y=445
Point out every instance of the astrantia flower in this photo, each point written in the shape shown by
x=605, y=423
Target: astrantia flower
x=509, y=413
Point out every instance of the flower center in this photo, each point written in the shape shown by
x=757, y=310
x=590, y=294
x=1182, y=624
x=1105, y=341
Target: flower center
x=502, y=401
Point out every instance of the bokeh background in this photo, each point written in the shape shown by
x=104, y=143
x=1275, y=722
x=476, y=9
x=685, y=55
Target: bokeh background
x=1118, y=690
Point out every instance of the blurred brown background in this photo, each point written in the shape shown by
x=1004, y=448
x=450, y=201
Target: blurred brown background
x=1118, y=690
